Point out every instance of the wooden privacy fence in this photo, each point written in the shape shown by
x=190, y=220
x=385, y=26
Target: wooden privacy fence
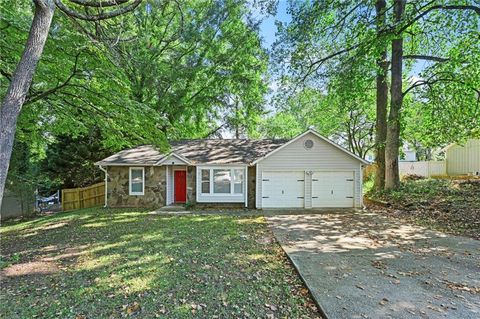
x=76, y=198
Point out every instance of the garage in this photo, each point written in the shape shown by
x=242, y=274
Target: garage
x=283, y=189
x=333, y=189
x=309, y=171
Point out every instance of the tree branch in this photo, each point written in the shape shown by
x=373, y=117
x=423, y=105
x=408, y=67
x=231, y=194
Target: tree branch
x=6, y=74
x=425, y=57
x=315, y=65
x=438, y=7
x=99, y=4
x=96, y=17
x=41, y=95
x=431, y=81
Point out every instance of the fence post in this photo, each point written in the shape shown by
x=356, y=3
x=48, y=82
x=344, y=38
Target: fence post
x=78, y=198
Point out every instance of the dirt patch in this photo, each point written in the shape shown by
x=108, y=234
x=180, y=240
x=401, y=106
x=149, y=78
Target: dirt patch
x=33, y=268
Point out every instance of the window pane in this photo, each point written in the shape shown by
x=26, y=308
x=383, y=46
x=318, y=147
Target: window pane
x=137, y=187
x=205, y=187
x=137, y=181
x=221, y=181
x=137, y=175
x=206, y=175
x=238, y=181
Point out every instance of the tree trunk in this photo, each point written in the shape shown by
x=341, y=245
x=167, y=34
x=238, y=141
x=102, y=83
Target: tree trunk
x=382, y=101
x=20, y=83
x=392, y=177
x=237, y=129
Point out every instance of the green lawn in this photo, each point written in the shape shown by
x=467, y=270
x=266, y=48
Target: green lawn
x=99, y=263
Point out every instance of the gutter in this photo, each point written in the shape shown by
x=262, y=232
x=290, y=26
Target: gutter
x=106, y=181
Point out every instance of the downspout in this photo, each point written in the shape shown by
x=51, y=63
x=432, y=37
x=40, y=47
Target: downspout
x=106, y=181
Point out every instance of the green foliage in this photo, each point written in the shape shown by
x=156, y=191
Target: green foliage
x=335, y=96
x=167, y=71
x=69, y=162
x=331, y=47
x=200, y=68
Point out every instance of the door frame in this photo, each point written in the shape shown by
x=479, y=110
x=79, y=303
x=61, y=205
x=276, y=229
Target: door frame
x=173, y=185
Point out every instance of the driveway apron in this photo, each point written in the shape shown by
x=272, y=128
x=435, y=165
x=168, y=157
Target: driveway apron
x=362, y=265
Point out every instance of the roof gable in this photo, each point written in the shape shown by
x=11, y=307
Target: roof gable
x=173, y=159
x=321, y=137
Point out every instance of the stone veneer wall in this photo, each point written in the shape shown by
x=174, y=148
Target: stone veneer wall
x=118, y=183
x=191, y=184
x=252, y=177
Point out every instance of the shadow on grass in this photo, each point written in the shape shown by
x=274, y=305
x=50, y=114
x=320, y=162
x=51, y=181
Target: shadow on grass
x=113, y=262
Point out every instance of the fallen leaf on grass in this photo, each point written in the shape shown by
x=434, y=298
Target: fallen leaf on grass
x=383, y=301
x=133, y=308
x=271, y=307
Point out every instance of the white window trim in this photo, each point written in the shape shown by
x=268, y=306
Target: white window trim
x=130, y=181
x=210, y=188
x=232, y=182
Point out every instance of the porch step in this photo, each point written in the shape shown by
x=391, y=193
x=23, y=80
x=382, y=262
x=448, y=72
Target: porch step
x=172, y=209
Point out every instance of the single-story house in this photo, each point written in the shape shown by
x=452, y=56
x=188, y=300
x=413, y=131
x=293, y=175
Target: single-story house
x=308, y=171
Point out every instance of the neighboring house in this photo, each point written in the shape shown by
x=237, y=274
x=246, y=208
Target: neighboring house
x=463, y=159
x=459, y=160
x=308, y=171
x=409, y=155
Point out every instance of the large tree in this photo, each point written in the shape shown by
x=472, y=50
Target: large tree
x=200, y=65
x=171, y=70
x=21, y=79
x=328, y=36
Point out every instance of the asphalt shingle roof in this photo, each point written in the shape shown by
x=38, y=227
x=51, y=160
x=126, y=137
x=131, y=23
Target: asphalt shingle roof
x=200, y=151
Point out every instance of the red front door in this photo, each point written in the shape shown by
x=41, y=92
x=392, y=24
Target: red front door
x=180, y=186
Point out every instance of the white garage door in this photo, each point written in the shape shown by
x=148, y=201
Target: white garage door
x=283, y=189
x=333, y=189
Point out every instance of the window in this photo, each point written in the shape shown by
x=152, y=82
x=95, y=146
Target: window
x=238, y=181
x=205, y=189
x=221, y=181
x=137, y=181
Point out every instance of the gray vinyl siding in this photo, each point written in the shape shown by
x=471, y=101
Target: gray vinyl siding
x=322, y=157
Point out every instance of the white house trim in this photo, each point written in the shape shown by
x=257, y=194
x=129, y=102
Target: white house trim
x=182, y=160
x=130, y=181
x=106, y=184
x=245, y=180
x=212, y=197
x=319, y=136
x=361, y=186
x=167, y=185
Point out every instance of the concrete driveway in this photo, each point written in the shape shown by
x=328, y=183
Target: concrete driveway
x=362, y=265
